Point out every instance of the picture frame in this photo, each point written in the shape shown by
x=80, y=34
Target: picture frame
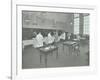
x=16, y=60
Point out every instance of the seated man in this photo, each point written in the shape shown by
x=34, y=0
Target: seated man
x=69, y=36
x=34, y=42
x=45, y=40
x=56, y=37
x=50, y=38
x=78, y=37
x=63, y=36
x=39, y=40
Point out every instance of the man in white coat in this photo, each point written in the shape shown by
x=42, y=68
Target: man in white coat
x=63, y=36
x=39, y=39
x=50, y=38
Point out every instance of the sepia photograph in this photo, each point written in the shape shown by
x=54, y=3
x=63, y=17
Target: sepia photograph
x=55, y=39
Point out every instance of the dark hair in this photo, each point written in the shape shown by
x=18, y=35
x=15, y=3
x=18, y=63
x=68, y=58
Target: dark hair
x=59, y=33
x=52, y=33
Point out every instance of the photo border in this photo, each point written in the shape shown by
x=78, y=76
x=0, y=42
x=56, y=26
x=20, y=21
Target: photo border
x=14, y=73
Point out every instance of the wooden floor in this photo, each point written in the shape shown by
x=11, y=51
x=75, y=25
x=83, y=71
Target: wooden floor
x=31, y=58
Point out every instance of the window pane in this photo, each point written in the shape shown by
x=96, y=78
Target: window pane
x=86, y=24
x=76, y=15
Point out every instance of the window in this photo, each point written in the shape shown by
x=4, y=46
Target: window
x=76, y=23
x=86, y=25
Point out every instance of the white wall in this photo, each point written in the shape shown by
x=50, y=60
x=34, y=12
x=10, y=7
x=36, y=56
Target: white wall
x=5, y=39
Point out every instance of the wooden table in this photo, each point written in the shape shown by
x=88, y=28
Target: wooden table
x=70, y=45
x=46, y=51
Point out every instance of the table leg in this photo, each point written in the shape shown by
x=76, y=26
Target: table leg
x=45, y=60
x=52, y=53
x=70, y=50
x=78, y=51
x=57, y=54
x=63, y=48
x=40, y=58
x=67, y=53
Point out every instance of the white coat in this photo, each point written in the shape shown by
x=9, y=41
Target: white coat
x=39, y=39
